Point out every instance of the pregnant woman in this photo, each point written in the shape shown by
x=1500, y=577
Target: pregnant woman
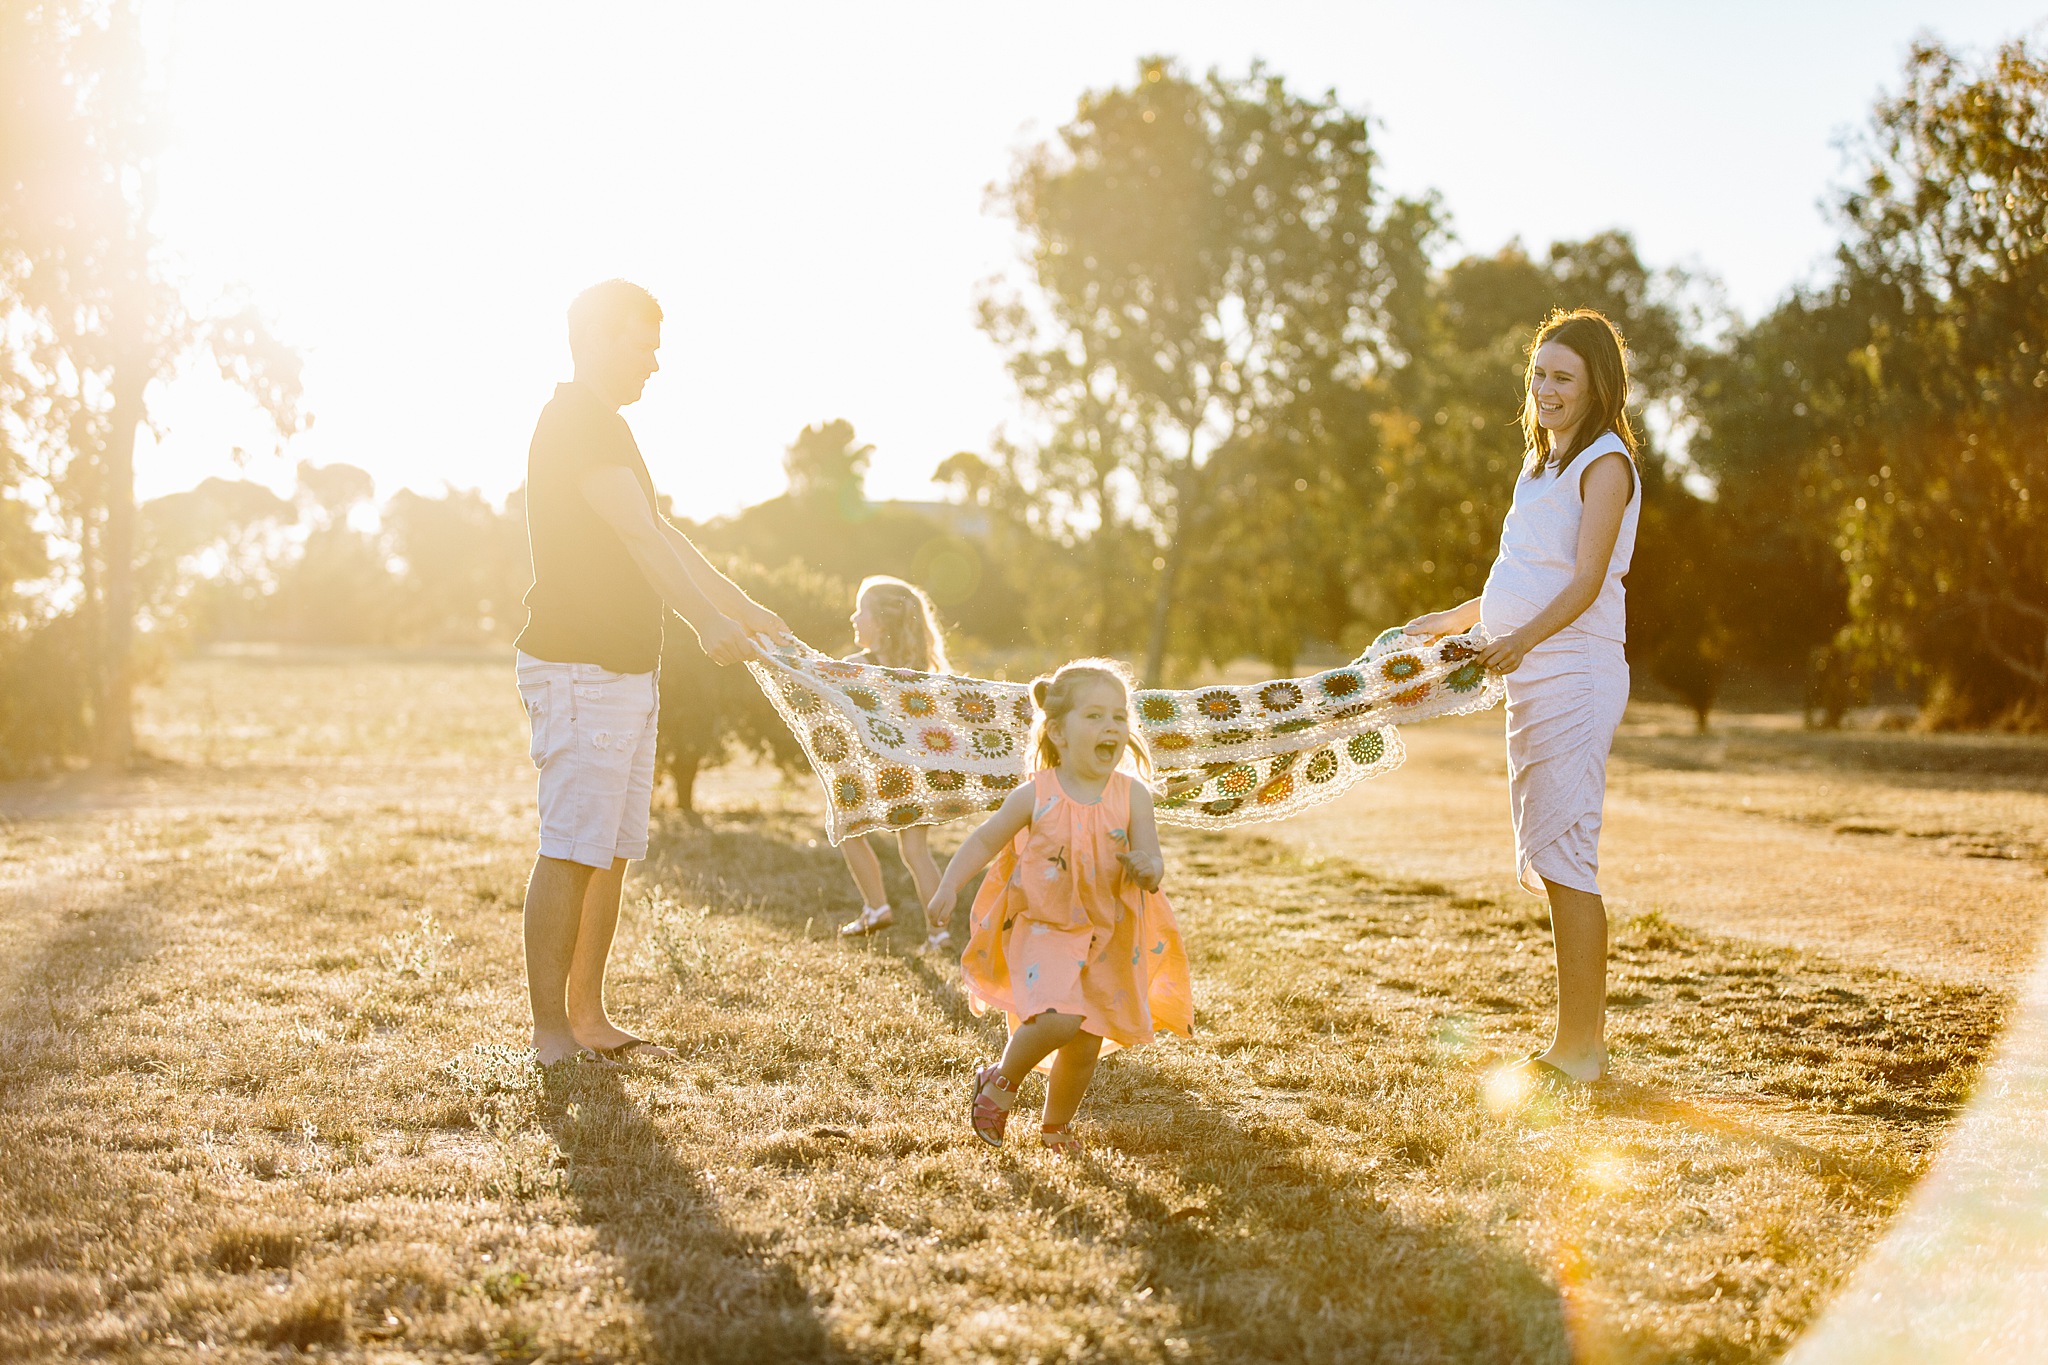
x=1552, y=606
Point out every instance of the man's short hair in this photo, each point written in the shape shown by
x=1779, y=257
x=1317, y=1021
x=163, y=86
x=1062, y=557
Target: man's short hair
x=607, y=307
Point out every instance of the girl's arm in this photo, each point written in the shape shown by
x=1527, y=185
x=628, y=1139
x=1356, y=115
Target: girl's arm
x=1456, y=621
x=981, y=848
x=1144, y=863
x=1604, y=486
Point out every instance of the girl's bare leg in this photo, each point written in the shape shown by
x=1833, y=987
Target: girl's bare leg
x=1072, y=1069
x=867, y=872
x=915, y=844
x=1578, y=921
x=1036, y=1039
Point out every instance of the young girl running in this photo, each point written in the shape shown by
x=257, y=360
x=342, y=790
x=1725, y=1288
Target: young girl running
x=895, y=625
x=1553, y=607
x=1070, y=936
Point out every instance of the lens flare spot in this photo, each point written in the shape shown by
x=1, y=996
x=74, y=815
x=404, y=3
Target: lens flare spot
x=1507, y=1088
x=1607, y=1170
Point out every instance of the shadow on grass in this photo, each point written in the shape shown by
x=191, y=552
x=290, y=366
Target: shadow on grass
x=1949, y=762
x=1274, y=1259
x=62, y=1192
x=1655, y=1104
x=1270, y=1258
x=709, y=1293
x=741, y=863
x=48, y=996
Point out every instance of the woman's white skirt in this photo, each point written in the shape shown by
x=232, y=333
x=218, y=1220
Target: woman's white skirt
x=1564, y=704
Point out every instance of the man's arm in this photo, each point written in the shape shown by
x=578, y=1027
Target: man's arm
x=720, y=591
x=615, y=495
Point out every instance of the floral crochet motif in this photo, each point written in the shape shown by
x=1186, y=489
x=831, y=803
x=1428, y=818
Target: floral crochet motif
x=1226, y=755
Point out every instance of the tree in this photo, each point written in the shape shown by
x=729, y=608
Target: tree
x=828, y=466
x=710, y=713
x=825, y=522
x=208, y=556
x=88, y=281
x=1892, y=416
x=1939, y=419
x=1756, y=436
x=341, y=588
x=1203, y=252
x=462, y=567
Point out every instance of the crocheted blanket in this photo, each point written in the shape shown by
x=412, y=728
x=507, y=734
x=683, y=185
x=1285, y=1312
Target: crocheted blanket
x=895, y=747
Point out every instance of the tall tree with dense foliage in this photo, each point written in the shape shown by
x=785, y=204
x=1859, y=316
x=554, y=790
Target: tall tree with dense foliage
x=1246, y=370
x=92, y=303
x=1893, y=416
x=1203, y=254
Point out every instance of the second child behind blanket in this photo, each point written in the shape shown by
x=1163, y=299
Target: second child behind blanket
x=1070, y=935
x=895, y=625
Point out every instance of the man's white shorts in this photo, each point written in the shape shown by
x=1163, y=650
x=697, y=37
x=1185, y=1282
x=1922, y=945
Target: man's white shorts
x=593, y=741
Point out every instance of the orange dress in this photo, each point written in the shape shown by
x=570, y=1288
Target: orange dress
x=1059, y=925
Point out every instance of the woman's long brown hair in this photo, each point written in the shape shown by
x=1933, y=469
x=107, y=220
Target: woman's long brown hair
x=1597, y=342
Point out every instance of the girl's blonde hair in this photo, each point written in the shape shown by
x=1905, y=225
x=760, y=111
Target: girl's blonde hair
x=1055, y=695
x=909, y=624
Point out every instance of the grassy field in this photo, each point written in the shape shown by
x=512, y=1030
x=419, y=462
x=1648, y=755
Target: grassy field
x=263, y=1091
x=1920, y=853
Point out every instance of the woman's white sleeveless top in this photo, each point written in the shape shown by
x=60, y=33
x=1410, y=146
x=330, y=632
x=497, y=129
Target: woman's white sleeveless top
x=1539, y=549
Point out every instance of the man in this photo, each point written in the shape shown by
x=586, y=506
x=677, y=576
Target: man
x=605, y=566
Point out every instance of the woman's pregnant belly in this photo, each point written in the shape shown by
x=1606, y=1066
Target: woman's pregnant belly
x=1501, y=611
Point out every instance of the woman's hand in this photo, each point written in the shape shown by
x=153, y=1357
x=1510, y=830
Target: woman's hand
x=1146, y=869
x=1435, y=625
x=1505, y=654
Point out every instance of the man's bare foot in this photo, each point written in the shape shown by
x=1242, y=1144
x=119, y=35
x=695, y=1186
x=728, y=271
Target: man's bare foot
x=547, y=1051
x=613, y=1043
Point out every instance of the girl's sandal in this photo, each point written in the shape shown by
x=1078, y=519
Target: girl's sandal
x=990, y=1113
x=870, y=920
x=1060, y=1139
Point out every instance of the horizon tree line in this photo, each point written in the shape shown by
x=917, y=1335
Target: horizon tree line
x=1266, y=411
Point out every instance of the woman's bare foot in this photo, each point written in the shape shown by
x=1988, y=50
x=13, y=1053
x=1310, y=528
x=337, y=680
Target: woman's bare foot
x=1583, y=1067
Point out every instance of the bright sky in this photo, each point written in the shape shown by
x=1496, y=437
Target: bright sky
x=414, y=191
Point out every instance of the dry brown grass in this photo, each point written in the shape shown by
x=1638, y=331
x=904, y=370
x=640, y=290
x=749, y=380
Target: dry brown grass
x=1921, y=853
x=262, y=1093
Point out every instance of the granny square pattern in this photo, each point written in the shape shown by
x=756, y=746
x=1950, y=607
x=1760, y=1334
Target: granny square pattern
x=894, y=747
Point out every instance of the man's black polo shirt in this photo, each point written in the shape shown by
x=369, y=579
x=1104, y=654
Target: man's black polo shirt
x=589, y=603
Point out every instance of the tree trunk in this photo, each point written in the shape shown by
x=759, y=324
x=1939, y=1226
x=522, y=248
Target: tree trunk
x=1186, y=508
x=1109, y=586
x=113, y=712
x=1162, y=606
x=682, y=770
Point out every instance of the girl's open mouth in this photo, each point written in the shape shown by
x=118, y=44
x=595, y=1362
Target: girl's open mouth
x=1106, y=751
